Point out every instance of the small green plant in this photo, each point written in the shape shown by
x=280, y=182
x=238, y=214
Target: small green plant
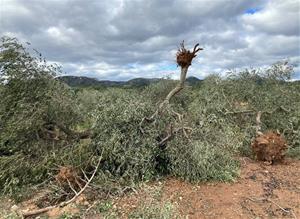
x=155, y=210
x=103, y=207
x=66, y=216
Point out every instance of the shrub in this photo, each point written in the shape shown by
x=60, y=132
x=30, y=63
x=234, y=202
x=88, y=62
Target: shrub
x=128, y=155
x=33, y=103
x=155, y=210
x=37, y=113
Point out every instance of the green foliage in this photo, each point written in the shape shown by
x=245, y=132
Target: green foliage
x=127, y=154
x=209, y=152
x=201, y=161
x=155, y=210
x=31, y=100
x=218, y=125
x=266, y=91
x=104, y=207
x=131, y=156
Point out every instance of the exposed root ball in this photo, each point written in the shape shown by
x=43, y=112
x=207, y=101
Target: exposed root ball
x=184, y=57
x=269, y=147
x=68, y=176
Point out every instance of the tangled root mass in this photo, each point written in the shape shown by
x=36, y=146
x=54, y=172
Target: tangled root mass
x=269, y=147
x=69, y=176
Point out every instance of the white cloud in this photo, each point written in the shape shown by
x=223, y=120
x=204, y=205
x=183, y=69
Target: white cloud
x=277, y=17
x=123, y=39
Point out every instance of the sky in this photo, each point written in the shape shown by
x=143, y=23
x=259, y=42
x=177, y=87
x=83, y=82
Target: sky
x=125, y=39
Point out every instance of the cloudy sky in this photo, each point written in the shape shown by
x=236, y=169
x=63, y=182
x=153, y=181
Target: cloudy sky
x=123, y=39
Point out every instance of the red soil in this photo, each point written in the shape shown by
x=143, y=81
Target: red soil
x=261, y=192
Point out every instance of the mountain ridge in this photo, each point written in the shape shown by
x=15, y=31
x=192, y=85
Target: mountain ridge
x=83, y=81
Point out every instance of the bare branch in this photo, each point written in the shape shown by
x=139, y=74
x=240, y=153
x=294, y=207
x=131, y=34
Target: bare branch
x=240, y=112
x=71, y=187
x=196, y=49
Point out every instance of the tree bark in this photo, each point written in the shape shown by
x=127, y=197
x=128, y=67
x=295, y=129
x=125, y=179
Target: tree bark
x=258, y=123
x=184, y=59
x=180, y=86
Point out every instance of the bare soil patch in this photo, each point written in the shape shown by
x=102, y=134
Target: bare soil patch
x=261, y=191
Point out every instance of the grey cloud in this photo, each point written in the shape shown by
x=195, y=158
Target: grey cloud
x=122, y=39
x=278, y=17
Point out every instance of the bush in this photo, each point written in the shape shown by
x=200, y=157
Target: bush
x=209, y=152
x=37, y=113
x=33, y=103
x=128, y=156
x=201, y=161
x=155, y=210
x=269, y=92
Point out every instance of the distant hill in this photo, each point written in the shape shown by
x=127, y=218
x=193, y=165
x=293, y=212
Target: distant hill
x=192, y=80
x=142, y=81
x=81, y=81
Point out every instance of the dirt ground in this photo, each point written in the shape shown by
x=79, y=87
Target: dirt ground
x=262, y=191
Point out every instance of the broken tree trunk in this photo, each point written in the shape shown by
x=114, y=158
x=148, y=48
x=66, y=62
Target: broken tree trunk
x=269, y=146
x=184, y=59
x=258, y=124
x=179, y=87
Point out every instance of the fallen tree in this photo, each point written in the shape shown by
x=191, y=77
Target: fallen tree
x=269, y=146
x=184, y=59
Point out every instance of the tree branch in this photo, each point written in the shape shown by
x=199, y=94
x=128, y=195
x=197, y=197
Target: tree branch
x=184, y=59
x=62, y=204
x=258, y=123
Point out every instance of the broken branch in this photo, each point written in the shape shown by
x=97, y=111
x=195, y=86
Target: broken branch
x=62, y=204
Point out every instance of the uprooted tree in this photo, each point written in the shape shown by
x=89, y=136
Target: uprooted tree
x=184, y=59
x=38, y=115
x=69, y=177
x=35, y=106
x=269, y=146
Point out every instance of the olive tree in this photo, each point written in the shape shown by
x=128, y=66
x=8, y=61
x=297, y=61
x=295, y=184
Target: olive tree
x=34, y=105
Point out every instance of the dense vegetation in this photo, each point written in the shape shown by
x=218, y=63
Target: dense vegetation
x=45, y=124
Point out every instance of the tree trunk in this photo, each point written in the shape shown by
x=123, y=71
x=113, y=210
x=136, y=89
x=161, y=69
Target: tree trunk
x=180, y=86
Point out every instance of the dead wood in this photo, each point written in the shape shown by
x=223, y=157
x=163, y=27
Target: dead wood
x=69, y=178
x=269, y=146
